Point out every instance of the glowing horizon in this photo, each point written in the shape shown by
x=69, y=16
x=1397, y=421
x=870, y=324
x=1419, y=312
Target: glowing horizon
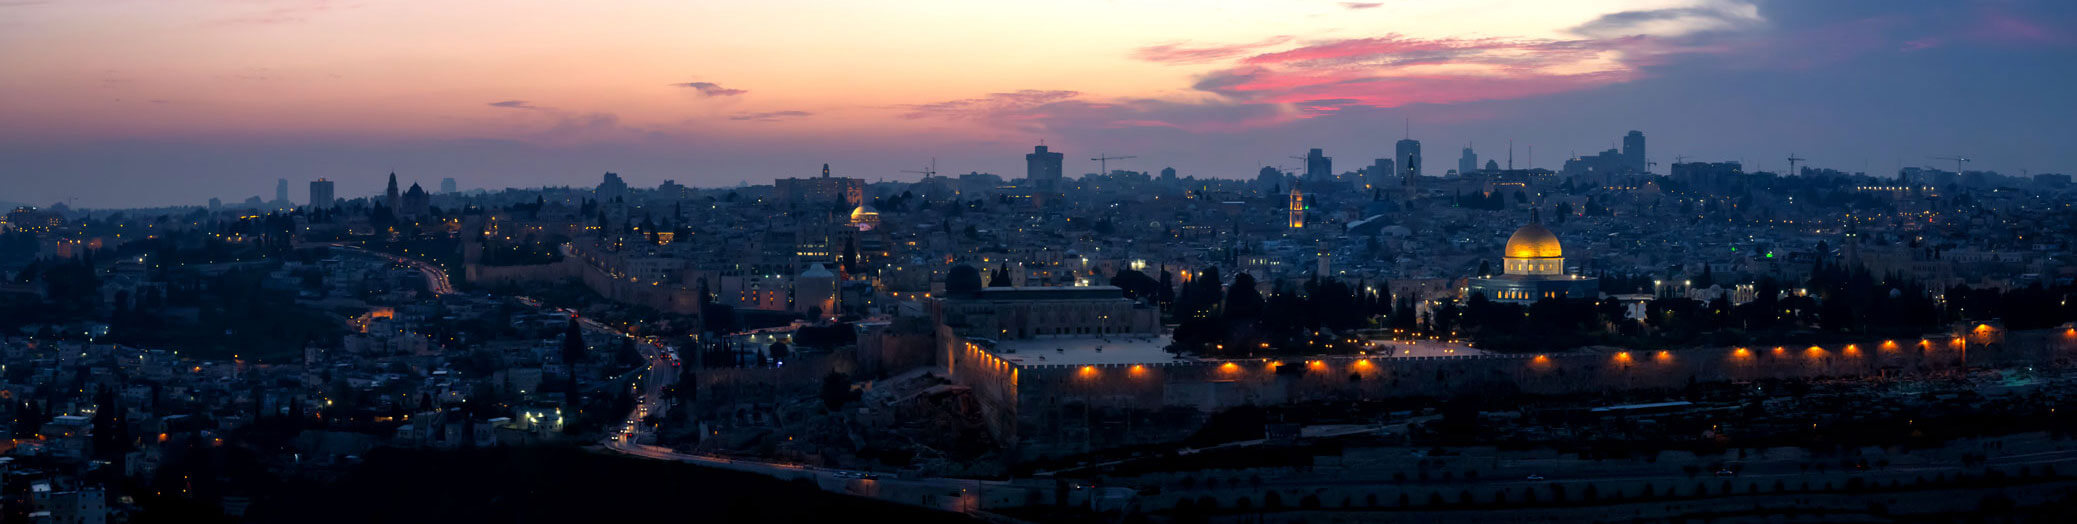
x=833, y=79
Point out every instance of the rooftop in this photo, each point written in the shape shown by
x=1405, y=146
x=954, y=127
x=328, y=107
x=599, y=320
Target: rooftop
x=1086, y=351
x=1050, y=293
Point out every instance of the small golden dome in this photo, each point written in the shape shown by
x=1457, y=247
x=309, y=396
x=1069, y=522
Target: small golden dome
x=1534, y=241
x=865, y=212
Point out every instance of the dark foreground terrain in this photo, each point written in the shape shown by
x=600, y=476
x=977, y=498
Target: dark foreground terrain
x=564, y=485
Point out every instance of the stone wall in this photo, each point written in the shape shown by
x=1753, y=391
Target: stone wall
x=675, y=298
x=497, y=275
x=1061, y=410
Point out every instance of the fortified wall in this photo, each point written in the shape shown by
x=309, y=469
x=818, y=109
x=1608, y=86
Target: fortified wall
x=599, y=272
x=1055, y=410
x=564, y=269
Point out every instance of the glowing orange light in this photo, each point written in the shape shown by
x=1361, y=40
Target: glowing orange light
x=1852, y=350
x=1229, y=367
x=1317, y=365
x=1741, y=353
x=1622, y=357
x=1664, y=356
x=1778, y=350
x=1088, y=371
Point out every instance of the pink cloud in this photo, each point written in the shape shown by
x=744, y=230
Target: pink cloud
x=1388, y=45
x=1393, y=70
x=1274, y=82
x=1322, y=78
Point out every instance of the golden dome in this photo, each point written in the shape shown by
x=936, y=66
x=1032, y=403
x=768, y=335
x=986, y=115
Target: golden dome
x=863, y=213
x=1534, y=241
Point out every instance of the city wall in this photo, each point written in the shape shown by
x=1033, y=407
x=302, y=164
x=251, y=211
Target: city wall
x=1061, y=410
x=611, y=284
x=730, y=388
x=500, y=275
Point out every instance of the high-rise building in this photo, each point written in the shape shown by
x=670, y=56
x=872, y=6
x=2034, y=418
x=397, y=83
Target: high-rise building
x=1168, y=174
x=393, y=198
x=1467, y=163
x=1633, y=152
x=321, y=193
x=612, y=187
x=1599, y=166
x=1407, y=154
x=281, y=190
x=447, y=185
x=1380, y=174
x=1319, y=169
x=1043, y=167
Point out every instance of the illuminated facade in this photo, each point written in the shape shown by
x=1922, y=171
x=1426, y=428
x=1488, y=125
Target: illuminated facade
x=1533, y=269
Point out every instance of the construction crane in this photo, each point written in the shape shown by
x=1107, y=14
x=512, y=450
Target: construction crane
x=928, y=171
x=1793, y=159
x=1103, y=162
x=1958, y=161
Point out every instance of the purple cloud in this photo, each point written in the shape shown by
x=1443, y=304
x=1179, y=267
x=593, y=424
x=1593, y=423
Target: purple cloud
x=992, y=105
x=1666, y=22
x=711, y=89
x=769, y=116
x=514, y=104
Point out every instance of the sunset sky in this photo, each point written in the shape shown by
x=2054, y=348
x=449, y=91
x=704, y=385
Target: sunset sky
x=109, y=103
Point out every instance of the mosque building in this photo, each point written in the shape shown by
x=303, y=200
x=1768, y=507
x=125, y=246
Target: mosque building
x=1534, y=269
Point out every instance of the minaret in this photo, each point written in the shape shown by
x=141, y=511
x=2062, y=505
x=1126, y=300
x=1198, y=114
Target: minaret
x=825, y=170
x=392, y=200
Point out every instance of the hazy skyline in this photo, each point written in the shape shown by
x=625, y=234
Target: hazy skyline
x=120, y=103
